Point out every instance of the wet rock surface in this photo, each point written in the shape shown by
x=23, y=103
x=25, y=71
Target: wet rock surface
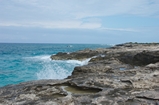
x=126, y=74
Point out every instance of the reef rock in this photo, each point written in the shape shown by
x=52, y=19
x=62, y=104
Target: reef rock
x=79, y=55
x=125, y=74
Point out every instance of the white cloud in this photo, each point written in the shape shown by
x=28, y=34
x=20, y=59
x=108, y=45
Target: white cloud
x=55, y=24
x=71, y=13
x=88, y=8
x=121, y=29
x=68, y=24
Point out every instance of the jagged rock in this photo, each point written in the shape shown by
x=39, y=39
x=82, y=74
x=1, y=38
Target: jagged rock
x=79, y=55
x=146, y=57
x=153, y=66
x=149, y=95
x=126, y=74
x=91, y=68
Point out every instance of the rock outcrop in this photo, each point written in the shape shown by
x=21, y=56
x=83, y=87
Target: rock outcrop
x=79, y=55
x=126, y=74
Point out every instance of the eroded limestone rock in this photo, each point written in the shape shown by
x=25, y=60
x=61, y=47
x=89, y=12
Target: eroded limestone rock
x=126, y=74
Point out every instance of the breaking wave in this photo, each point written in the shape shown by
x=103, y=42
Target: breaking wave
x=55, y=69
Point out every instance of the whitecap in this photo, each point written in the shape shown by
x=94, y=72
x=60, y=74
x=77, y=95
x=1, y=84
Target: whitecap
x=39, y=58
x=59, y=69
x=84, y=62
x=53, y=72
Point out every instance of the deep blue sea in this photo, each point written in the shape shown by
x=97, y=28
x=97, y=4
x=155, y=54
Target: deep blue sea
x=24, y=62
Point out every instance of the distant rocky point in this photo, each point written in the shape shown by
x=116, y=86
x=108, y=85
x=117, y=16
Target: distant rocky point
x=125, y=74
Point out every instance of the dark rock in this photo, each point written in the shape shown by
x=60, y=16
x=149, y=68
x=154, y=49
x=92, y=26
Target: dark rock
x=79, y=55
x=146, y=57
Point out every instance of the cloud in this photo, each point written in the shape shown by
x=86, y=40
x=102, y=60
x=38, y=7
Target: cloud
x=55, y=24
x=88, y=8
x=121, y=29
x=71, y=13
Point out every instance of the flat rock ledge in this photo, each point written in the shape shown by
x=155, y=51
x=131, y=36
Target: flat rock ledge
x=125, y=74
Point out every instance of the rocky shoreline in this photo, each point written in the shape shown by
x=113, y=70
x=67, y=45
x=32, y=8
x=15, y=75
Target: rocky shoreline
x=125, y=74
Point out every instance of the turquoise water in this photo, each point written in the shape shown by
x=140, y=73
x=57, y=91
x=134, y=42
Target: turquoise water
x=25, y=62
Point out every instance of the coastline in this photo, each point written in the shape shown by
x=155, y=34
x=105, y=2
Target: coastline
x=123, y=74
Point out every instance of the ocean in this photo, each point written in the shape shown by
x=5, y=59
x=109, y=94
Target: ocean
x=20, y=62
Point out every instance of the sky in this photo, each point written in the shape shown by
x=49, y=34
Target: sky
x=79, y=21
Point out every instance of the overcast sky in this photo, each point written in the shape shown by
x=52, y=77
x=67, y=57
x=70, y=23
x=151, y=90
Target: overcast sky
x=79, y=21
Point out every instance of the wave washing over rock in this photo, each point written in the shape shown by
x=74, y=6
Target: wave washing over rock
x=126, y=74
x=22, y=62
x=59, y=69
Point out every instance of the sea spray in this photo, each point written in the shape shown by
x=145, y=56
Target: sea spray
x=39, y=58
x=20, y=62
x=59, y=69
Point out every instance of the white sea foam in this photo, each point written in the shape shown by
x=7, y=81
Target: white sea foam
x=84, y=62
x=54, y=69
x=53, y=72
x=39, y=58
x=59, y=69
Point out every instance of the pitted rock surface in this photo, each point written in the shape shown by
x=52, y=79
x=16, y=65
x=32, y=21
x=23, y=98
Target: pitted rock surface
x=126, y=74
